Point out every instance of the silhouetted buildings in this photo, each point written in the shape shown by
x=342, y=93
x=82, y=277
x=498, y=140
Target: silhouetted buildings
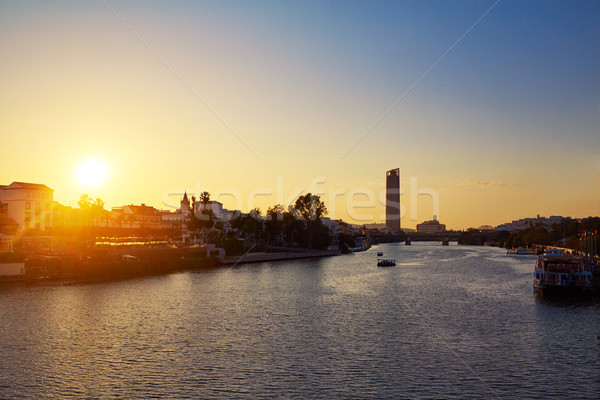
x=392, y=199
x=525, y=223
x=432, y=226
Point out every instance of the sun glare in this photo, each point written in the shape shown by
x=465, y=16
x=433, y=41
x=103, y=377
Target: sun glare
x=91, y=173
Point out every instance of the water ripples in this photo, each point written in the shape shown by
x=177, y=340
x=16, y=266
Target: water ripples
x=448, y=322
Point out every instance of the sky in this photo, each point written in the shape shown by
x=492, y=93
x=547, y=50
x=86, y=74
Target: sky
x=491, y=109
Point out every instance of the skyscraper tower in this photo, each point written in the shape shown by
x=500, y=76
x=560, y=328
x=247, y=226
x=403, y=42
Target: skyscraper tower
x=392, y=199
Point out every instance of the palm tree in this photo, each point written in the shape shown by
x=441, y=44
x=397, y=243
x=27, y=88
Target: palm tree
x=204, y=199
x=85, y=204
x=97, y=208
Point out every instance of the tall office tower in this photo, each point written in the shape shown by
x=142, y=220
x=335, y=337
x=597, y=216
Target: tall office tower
x=392, y=199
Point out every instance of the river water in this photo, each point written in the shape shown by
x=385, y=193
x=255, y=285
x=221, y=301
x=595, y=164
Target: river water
x=448, y=322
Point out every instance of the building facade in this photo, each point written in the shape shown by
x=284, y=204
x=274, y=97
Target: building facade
x=432, y=226
x=392, y=199
x=28, y=204
x=136, y=217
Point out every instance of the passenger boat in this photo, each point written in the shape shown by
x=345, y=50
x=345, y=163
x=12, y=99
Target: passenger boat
x=521, y=251
x=559, y=273
x=386, y=262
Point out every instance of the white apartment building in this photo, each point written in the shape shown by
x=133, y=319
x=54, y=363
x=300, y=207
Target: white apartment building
x=29, y=204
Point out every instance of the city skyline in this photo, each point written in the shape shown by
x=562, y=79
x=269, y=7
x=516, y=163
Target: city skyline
x=494, y=106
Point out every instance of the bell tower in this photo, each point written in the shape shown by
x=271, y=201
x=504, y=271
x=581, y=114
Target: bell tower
x=185, y=205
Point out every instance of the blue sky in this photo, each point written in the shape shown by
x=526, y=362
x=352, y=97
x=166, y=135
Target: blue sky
x=234, y=94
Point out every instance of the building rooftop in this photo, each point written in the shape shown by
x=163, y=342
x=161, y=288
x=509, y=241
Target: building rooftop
x=142, y=209
x=25, y=185
x=432, y=222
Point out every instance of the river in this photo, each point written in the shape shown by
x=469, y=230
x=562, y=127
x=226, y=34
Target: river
x=448, y=322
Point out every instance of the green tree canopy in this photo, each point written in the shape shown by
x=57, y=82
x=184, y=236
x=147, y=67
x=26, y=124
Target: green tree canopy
x=310, y=207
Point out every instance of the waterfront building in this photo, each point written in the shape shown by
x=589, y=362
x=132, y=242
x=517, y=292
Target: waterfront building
x=526, y=223
x=216, y=207
x=432, y=226
x=8, y=226
x=28, y=204
x=6, y=242
x=67, y=216
x=140, y=217
x=181, y=217
x=174, y=220
x=335, y=226
x=220, y=214
x=338, y=227
x=392, y=199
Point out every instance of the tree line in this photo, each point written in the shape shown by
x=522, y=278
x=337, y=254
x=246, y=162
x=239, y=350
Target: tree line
x=298, y=225
x=567, y=234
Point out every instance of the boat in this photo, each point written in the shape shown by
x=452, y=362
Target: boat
x=561, y=273
x=407, y=241
x=445, y=242
x=380, y=254
x=386, y=262
x=521, y=251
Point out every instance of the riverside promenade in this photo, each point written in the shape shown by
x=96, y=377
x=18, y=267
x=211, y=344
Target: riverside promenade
x=289, y=255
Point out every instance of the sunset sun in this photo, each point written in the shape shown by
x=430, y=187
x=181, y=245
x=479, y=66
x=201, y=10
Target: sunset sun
x=91, y=173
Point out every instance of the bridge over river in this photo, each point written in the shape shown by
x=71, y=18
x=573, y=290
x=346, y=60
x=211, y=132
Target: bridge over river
x=417, y=237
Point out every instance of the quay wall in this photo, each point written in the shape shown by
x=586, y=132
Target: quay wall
x=262, y=257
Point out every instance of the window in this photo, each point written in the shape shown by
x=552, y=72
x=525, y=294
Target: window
x=28, y=205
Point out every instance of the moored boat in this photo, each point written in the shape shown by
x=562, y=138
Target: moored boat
x=386, y=262
x=521, y=251
x=559, y=273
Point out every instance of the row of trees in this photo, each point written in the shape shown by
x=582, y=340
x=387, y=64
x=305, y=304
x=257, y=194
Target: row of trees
x=298, y=225
x=92, y=210
x=567, y=234
x=94, y=214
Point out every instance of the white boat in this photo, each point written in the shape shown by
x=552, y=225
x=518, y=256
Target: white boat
x=559, y=273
